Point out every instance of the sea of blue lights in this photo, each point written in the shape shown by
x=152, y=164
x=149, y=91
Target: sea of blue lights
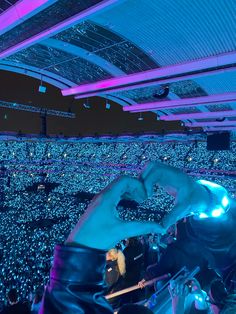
x=34, y=220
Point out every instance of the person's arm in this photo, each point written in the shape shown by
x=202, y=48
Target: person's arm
x=77, y=276
x=184, y=293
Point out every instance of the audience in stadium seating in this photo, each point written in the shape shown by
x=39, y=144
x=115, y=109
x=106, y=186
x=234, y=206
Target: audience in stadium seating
x=15, y=306
x=27, y=248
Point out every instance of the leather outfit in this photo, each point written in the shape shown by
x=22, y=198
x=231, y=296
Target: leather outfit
x=76, y=282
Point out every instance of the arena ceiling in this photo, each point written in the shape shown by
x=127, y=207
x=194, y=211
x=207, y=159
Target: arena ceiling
x=130, y=51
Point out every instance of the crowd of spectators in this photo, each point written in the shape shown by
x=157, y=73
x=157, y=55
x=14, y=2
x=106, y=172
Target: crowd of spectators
x=42, y=186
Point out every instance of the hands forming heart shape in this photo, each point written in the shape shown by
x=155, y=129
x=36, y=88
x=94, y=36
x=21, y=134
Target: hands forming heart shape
x=100, y=226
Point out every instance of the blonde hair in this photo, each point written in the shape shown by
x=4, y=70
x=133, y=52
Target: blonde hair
x=117, y=255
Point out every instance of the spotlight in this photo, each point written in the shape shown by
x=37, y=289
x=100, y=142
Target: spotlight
x=108, y=105
x=86, y=104
x=140, y=117
x=42, y=89
x=163, y=92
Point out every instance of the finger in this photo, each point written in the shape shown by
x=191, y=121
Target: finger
x=136, y=228
x=171, y=291
x=178, y=211
x=114, y=192
x=141, y=284
x=147, y=170
x=186, y=291
x=146, y=178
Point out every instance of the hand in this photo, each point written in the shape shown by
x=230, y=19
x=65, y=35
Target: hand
x=141, y=283
x=178, y=288
x=176, y=183
x=199, y=294
x=178, y=291
x=100, y=226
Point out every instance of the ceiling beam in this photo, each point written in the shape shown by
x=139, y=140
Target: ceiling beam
x=77, y=18
x=84, y=54
x=186, y=102
x=201, y=115
x=42, y=75
x=48, y=112
x=219, y=129
x=20, y=12
x=210, y=123
x=158, y=82
x=167, y=73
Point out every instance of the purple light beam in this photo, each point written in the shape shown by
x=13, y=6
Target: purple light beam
x=158, y=81
x=205, y=64
x=176, y=103
x=202, y=115
x=20, y=12
x=223, y=128
x=58, y=27
x=210, y=123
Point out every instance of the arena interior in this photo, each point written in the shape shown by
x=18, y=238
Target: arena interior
x=92, y=91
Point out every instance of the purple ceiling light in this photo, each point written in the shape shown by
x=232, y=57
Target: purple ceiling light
x=211, y=123
x=58, y=27
x=222, y=128
x=157, y=81
x=20, y=12
x=186, y=102
x=205, y=64
x=201, y=115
